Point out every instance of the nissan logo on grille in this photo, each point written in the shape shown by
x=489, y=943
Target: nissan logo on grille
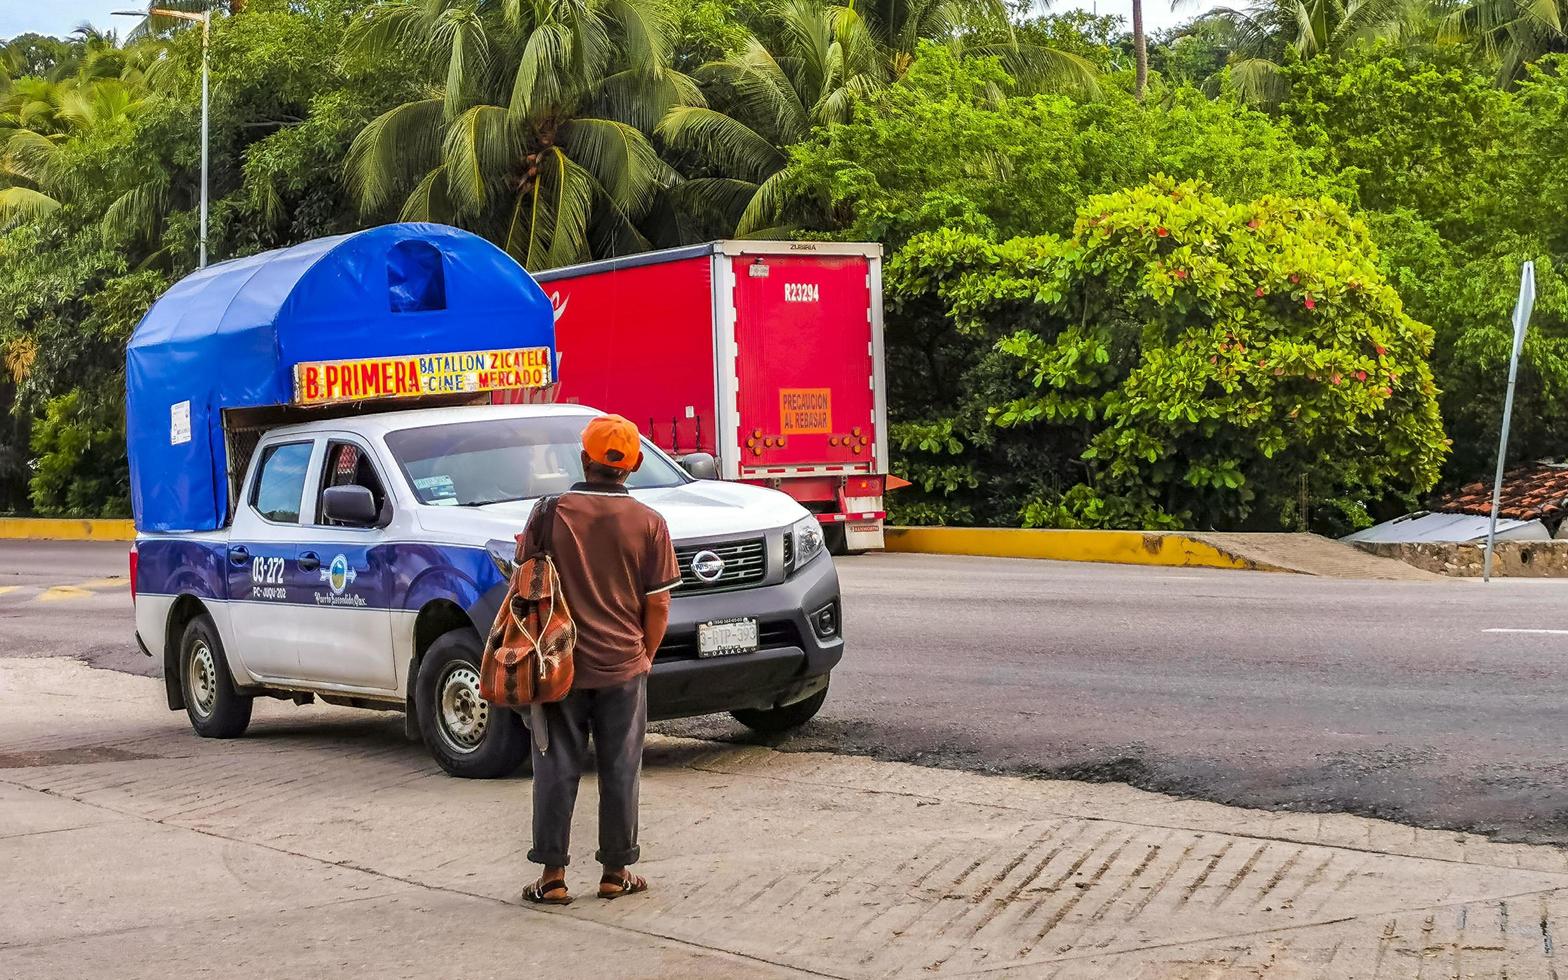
x=707, y=566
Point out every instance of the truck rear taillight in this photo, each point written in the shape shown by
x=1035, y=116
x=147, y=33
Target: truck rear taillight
x=134, y=560
x=863, y=486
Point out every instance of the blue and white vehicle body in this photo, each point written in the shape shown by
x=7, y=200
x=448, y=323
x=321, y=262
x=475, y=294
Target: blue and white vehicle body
x=356, y=550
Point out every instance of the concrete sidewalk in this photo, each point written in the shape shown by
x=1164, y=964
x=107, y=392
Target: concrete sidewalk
x=324, y=842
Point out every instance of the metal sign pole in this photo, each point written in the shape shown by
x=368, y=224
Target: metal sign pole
x=1521, y=320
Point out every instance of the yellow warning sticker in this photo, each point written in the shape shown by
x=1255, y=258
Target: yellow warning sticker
x=805, y=411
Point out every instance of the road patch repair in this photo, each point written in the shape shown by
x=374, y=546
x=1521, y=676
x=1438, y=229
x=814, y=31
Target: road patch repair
x=324, y=840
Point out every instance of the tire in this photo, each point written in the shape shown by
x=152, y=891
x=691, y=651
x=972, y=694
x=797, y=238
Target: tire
x=836, y=538
x=467, y=737
x=777, y=721
x=215, y=708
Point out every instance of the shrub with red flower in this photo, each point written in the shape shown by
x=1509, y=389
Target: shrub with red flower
x=1125, y=333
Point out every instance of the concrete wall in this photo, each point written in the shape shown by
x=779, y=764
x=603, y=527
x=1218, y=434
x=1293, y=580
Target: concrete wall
x=1523, y=559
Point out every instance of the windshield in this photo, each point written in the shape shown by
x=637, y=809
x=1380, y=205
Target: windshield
x=468, y=464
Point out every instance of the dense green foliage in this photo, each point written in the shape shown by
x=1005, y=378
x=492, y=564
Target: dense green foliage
x=1054, y=357
x=1201, y=359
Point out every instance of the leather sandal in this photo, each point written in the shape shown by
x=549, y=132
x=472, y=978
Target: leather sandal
x=625, y=883
x=547, y=893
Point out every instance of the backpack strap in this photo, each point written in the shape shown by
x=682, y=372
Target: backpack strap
x=547, y=535
x=545, y=512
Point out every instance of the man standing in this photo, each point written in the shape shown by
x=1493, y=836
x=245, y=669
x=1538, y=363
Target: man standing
x=617, y=568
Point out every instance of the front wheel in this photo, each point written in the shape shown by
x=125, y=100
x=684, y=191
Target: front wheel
x=468, y=737
x=777, y=721
x=215, y=708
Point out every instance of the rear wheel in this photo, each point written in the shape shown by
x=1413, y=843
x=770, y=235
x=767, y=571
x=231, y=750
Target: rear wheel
x=468, y=737
x=836, y=538
x=777, y=721
x=215, y=708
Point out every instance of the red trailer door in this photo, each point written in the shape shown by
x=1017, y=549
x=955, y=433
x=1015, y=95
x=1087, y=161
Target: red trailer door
x=805, y=365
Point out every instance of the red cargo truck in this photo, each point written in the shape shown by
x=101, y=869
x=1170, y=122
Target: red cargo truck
x=766, y=355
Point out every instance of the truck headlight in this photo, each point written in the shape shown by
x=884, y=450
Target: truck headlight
x=503, y=553
x=808, y=540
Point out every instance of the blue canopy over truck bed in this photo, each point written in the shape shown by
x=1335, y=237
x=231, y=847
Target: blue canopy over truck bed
x=404, y=311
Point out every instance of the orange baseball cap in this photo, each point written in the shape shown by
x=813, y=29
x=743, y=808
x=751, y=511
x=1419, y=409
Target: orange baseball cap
x=613, y=441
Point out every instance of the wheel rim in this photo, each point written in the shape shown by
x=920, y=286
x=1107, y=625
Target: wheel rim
x=201, y=679
x=464, y=715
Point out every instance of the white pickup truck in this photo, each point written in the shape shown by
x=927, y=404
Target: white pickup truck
x=359, y=556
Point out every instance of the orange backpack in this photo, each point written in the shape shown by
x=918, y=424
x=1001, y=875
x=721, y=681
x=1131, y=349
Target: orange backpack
x=528, y=657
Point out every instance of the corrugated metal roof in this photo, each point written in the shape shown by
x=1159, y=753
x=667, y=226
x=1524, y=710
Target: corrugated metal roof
x=1449, y=527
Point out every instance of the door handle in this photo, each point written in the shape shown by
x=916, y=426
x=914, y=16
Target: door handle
x=309, y=561
x=239, y=556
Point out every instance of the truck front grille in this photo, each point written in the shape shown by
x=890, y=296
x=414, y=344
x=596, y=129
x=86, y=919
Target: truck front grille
x=745, y=564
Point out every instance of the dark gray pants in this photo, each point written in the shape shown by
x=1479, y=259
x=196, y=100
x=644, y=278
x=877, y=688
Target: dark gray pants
x=617, y=717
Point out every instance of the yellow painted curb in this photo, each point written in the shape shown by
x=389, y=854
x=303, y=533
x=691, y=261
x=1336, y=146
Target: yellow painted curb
x=1167, y=548
x=61, y=529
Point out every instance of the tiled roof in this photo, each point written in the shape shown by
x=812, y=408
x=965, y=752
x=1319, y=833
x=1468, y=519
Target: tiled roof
x=1535, y=490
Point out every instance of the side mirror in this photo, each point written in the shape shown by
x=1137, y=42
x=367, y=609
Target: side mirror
x=702, y=466
x=352, y=505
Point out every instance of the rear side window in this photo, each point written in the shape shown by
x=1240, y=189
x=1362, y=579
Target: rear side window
x=280, y=485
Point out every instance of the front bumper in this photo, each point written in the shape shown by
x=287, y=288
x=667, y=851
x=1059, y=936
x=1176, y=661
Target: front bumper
x=792, y=663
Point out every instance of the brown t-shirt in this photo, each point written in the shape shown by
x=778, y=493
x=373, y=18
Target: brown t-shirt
x=612, y=553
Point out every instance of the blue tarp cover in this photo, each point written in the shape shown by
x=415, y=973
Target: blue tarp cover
x=230, y=335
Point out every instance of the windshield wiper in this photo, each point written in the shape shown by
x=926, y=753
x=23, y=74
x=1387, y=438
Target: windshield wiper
x=486, y=503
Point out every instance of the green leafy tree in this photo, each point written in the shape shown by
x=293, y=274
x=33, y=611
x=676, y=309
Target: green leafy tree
x=80, y=445
x=1023, y=165
x=1414, y=133
x=820, y=61
x=123, y=179
x=1196, y=52
x=1209, y=356
x=1099, y=40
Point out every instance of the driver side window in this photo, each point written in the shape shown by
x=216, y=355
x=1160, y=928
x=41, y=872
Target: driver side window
x=349, y=465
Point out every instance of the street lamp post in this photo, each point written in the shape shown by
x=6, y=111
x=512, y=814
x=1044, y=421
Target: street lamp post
x=205, y=19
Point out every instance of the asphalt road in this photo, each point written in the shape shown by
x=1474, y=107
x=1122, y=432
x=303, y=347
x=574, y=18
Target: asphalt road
x=1397, y=700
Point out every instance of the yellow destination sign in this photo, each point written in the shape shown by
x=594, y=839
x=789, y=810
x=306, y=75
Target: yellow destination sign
x=413, y=375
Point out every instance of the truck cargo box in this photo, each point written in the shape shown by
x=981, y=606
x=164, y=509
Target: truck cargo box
x=768, y=355
x=398, y=315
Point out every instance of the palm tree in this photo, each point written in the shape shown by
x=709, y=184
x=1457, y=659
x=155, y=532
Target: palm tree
x=30, y=132
x=535, y=127
x=1310, y=28
x=981, y=28
x=94, y=85
x=37, y=118
x=1140, y=50
x=827, y=56
x=1515, y=32
x=827, y=59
